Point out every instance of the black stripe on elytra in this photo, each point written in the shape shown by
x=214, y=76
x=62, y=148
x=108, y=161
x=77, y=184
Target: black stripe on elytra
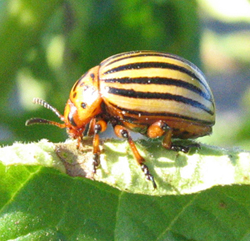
x=153, y=95
x=160, y=81
x=127, y=115
x=146, y=65
x=129, y=55
x=144, y=53
x=161, y=65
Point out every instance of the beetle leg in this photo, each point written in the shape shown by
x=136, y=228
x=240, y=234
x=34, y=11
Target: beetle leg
x=98, y=127
x=122, y=132
x=161, y=128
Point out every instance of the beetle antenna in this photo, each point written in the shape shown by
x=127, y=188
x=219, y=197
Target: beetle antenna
x=33, y=121
x=46, y=105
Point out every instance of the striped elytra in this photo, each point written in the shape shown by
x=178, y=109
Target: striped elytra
x=148, y=86
x=153, y=93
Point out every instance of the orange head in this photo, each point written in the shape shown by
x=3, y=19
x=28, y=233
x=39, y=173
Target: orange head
x=83, y=105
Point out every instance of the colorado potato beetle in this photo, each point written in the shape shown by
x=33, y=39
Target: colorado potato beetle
x=153, y=93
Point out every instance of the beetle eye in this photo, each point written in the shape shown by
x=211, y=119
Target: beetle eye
x=83, y=105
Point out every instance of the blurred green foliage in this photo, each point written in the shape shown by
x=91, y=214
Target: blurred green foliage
x=46, y=46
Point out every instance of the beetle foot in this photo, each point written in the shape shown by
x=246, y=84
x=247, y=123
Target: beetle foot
x=185, y=149
x=96, y=162
x=148, y=175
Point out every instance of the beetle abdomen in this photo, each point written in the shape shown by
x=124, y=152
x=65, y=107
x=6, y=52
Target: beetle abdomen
x=146, y=86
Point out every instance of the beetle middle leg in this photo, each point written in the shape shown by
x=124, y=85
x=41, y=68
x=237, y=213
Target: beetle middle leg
x=161, y=128
x=122, y=132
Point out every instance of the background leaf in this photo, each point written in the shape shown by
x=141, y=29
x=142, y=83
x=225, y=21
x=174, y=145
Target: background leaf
x=48, y=205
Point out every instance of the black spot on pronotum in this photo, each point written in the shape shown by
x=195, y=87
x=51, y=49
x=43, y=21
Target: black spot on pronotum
x=83, y=105
x=92, y=76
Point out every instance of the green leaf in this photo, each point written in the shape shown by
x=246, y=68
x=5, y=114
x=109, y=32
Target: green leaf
x=38, y=201
x=51, y=206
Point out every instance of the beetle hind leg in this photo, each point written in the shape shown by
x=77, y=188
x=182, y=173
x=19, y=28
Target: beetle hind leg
x=167, y=143
x=161, y=128
x=122, y=132
x=185, y=149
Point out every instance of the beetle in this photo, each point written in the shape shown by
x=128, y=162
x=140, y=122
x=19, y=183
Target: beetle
x=153, y=93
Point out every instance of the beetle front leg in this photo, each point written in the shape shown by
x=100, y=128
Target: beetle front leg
x=161, y=128
x=98, y=127
x=122, y=132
